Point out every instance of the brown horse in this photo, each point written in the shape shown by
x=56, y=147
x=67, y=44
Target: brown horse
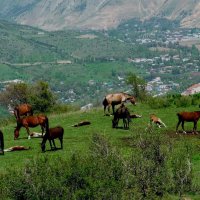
x=121, y=113
x=56, y=132
x=115, y=99
x=1, y=143
x=188, y=117
x=31, y=121
x=23, y=109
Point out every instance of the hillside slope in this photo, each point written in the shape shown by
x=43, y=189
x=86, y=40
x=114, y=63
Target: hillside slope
x=97, y=14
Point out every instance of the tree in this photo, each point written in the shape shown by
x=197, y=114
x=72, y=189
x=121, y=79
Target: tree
x=41, y=97
x=138, y=86
x=38, y=95
x=14, y=94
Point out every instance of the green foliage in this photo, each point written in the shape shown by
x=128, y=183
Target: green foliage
x=41, y=97
x=159, y=102
x=182, y=169
x=38, y=95
x=138, y=86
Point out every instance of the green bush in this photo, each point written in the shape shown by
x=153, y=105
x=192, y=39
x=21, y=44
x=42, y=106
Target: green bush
x=183, y=101
x=159, y=102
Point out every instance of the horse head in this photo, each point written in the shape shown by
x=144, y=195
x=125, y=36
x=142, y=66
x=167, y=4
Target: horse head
x=133, y=101
x=16, y=133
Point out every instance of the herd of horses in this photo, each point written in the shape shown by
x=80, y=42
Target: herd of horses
x=25, y=118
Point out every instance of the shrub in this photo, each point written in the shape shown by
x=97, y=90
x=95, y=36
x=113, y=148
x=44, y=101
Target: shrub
x=184, y=101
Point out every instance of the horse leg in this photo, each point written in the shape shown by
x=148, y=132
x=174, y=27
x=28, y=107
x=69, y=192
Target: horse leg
x=61, y=142
x=109, y=109
x=195, y=127
x=177, y=126
x=28, y=131
x=54, y=144
x=113, y=108
x=50, y=144
x=42, y=128
x=182, y=124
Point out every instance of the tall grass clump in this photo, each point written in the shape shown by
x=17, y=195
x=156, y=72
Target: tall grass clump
x=155, y=168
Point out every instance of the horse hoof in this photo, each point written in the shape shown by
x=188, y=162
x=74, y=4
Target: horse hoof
x=29, y=137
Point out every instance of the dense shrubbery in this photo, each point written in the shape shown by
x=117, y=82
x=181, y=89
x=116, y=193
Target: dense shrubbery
x=174, y=100
x=153, y=171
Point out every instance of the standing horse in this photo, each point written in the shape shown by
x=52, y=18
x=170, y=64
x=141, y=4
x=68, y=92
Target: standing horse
x=121, y=113
x=188, y=117
x=115, y=99
x=23, y=109
x=32, y=121
x=53, y=133
x=1, y=143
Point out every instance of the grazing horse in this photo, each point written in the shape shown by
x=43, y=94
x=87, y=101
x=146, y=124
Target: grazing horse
x=115, y=99
x=121, y=113
x=31, y=121
x=188, y=117
x=53, y=133
x=23, y=109
x=1, y=143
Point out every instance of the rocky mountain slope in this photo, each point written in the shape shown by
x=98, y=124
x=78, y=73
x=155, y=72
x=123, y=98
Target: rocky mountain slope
x=97, y=14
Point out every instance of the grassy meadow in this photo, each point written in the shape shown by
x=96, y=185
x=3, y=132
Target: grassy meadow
x=77, y=139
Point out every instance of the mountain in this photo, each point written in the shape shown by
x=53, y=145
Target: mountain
x=97, y=14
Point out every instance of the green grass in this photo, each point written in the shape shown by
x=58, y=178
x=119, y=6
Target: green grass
x=78, y=139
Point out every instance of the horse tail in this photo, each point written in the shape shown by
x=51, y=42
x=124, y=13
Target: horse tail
x=16, y=113
x=47, y=126
x=105, y=102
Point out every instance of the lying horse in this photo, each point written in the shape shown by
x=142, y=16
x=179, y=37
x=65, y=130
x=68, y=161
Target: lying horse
x=23, y=109
x=32, y=121
x=121, y=113
x=1, y=143
x=188, y=117
x=53, y=133
x=155, y=120
x=115, y=99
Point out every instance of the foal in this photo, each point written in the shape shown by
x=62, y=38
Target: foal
x=155, y=120
x=51, y=134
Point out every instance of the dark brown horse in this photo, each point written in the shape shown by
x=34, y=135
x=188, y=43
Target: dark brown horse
x=1, y=143
x=115, y=99
x=121, y=113
x=188, y=117
x=53, y=133
x=23, y=109
x=31, y=121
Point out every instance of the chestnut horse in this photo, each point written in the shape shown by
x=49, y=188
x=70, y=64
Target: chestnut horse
x=23, y=109
x=56, y=132
x=115, y=99
x=32, y=121
x=188, y=117
x=1, y=143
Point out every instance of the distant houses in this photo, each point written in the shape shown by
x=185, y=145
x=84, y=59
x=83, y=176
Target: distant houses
x=194, y=89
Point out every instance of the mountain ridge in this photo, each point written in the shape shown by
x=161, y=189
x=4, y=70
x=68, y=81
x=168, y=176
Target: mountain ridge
x=97, y=14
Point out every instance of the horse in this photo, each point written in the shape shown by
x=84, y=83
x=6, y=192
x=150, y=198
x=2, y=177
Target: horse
x=155, y=120
x=22, y=109
x=1, y=143
x=121, y=113
x=32, y=121
x=115, y=99
x=53, y=133
x=188, y=117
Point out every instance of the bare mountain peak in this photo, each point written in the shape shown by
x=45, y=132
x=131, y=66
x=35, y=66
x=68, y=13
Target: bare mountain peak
x=97, y=14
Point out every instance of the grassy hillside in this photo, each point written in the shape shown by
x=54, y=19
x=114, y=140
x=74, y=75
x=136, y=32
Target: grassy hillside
x=78, y=140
